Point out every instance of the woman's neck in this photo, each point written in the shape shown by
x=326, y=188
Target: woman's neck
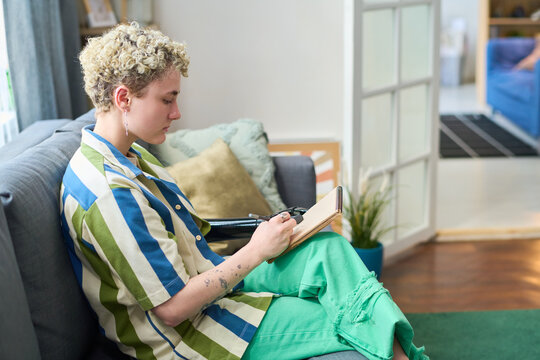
x=109, y=125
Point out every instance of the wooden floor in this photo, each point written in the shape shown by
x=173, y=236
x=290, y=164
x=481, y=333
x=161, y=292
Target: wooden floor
x=466, y=276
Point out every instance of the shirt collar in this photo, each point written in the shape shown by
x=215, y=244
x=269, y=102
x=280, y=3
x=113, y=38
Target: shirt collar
x=110, y=152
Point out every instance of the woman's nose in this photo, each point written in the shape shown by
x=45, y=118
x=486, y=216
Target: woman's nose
x=175, y=114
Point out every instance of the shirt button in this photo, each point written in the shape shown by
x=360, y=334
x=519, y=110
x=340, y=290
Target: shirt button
x=198, y=237
x=177, y=207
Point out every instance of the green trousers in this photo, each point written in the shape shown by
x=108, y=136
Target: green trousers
x=329, y=302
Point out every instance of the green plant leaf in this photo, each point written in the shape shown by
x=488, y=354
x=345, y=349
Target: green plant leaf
x=364, y=214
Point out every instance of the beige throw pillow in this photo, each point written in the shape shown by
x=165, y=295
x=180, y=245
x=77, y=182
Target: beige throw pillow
x=217, y=184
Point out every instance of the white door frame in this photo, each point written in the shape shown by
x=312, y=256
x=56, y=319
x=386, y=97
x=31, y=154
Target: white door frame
x=354, y=94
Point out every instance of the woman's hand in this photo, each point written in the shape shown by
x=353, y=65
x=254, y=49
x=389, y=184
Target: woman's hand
x=272, y=237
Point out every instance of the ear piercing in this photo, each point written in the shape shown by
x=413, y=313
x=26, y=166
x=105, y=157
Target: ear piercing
x=125, y=122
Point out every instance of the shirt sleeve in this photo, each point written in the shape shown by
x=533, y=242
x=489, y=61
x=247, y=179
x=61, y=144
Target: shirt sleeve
x=131, y=238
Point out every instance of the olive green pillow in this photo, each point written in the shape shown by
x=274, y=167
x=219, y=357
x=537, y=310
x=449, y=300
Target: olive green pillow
x=217, y=184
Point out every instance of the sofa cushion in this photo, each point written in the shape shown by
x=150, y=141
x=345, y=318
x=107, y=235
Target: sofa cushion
x=18, y=335
x=516, y=84
x=63, y=322
x=104, y=349
x=217, y=184
x=246, y=139
x=342, y=355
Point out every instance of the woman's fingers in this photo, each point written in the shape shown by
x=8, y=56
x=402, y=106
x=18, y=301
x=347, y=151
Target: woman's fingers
x=285, y=219
x=280, y=218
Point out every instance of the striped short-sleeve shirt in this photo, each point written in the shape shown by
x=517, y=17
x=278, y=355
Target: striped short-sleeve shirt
x=134, y=242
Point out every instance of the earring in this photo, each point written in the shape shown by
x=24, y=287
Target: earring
x=125, y=122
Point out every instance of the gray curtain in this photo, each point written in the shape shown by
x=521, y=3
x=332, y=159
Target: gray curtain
x=43, y=44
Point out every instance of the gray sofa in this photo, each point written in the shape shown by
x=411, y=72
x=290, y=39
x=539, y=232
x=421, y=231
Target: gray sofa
x=44, y=314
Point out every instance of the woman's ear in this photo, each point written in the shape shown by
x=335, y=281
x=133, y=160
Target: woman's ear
x=122, y=98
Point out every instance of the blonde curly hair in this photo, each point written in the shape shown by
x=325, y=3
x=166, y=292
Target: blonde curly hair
x=128, y=55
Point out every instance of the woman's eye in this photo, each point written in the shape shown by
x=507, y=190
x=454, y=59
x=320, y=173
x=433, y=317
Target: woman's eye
x=167, y=101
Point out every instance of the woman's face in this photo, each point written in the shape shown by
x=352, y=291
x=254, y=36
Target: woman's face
x=150, y=115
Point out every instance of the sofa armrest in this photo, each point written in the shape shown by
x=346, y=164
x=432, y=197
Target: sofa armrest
x=295, y=177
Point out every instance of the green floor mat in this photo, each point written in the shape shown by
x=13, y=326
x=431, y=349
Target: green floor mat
x=476, y=335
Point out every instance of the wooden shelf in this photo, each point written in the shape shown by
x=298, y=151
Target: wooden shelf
x=86, y=31
x=513, y=22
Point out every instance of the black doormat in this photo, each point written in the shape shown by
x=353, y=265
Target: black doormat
x=475, y=135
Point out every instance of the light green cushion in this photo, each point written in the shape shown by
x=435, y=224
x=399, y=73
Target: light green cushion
x=245, y=138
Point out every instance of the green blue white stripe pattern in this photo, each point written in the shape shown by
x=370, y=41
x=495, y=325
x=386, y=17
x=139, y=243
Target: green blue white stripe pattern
x=132, y=238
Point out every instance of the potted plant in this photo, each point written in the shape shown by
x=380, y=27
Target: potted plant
x=364, y=215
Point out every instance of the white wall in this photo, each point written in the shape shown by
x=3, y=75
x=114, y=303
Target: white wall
x=467, y=9
x=280, y=62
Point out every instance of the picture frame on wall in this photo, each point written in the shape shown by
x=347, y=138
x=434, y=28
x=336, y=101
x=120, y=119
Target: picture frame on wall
x=100, y=13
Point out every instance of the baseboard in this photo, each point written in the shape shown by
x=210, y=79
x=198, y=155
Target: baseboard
x=507, y=233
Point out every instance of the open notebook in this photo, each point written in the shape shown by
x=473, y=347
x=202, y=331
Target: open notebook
x=316, y=218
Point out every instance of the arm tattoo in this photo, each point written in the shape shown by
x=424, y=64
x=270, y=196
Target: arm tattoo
x=224, y=283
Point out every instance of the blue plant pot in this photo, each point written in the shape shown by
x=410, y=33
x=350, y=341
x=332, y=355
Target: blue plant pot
x=372, y=258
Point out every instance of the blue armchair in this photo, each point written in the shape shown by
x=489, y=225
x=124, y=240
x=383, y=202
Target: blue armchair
x=514, y=93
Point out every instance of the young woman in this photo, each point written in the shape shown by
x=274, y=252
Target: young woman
x=139, y=252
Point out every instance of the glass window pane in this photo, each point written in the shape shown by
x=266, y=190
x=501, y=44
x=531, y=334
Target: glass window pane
x=414, y=127
x=412, y=194
x=376, y=131
x=415, y=47
x=378, y=55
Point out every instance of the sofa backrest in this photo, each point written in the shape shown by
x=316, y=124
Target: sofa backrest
x=32, y=135
x=63, y=323
x=505, y=53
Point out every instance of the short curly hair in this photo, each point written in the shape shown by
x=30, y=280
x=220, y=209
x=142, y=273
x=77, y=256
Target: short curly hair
x=128, y=55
